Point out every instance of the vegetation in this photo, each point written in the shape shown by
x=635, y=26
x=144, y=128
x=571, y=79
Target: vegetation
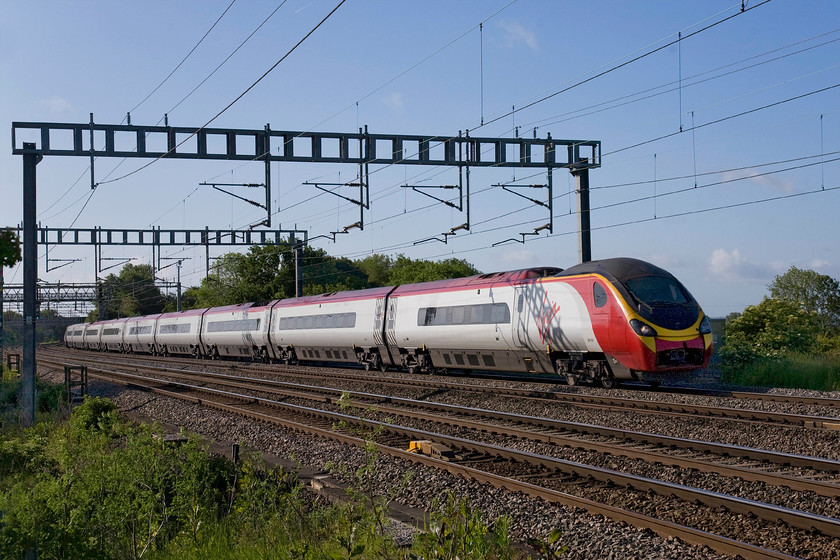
x=130, y=293
x=51, y=401
x=99, y=487
x=791, y=339
x=268, y=272
x=9, y=247
x=49, y=328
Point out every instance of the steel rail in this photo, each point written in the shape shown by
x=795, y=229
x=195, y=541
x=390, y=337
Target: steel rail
x=661, y=527
x=723, y=393
x=795, y=518
x=294, y=389
x=803, y=484
x=616, y=403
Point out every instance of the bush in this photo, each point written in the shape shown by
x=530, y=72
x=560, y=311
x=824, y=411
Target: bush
x=798, y=371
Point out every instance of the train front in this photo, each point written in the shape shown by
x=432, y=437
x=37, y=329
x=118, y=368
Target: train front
x=664, y=329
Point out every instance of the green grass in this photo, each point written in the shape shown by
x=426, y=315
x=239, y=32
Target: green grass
x=99, y=487
x=793, y=371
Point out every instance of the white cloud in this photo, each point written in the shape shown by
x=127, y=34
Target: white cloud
x=732, y=266
x=57, y=105
x=519, y=257
x=770, y=181
x=817, y=264
x=394, y=102
x=517, y=34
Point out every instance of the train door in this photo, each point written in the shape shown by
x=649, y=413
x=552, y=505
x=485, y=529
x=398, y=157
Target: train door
x=379, y=322
x=529, y=309
x=391, y=336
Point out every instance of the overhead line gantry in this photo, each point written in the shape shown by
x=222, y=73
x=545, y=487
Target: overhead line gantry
x=34, y=140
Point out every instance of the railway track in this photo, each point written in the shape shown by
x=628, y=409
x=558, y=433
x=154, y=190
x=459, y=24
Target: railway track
x=821, y=477
x=550, y=473
x=604, y=402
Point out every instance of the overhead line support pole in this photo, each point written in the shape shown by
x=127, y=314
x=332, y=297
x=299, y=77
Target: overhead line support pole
x=31, y=158
x=1, y=317
x=267, y=154
x=581, y=173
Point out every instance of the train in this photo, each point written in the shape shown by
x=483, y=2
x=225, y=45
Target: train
x=602, y=321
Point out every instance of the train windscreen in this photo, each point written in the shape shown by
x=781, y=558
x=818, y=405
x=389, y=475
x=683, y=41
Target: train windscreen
x=663, y=301
x=655, y=290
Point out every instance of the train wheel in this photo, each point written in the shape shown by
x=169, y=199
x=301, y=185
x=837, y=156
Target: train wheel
x=367, y=366
x=571, y=380
x=609, y=382
x=382, y=367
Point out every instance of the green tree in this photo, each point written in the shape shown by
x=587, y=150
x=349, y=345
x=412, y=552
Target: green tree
x=771, y=329
x=378, y=269
x=239, y=278
x=268, y=272
x=815, y=292
x=408, y=271
x=9, y=248
x=131, y=293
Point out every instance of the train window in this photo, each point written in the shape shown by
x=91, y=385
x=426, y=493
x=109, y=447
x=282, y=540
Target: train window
x=426, y=316
x=477, y=313
x=330, y=321
x=499, y=313
x=458, y=315
x=140, y=330
x=234, y=325
x=656, y=290
x=600, y=295
x=520, y=305
x=481, y=314
x=175, y=328
x=110, y=332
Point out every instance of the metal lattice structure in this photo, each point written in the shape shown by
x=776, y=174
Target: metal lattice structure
x=34, y=140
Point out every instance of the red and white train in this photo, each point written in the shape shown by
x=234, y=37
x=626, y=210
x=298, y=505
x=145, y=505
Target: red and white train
x=606, y=321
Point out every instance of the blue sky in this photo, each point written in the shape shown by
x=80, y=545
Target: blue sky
x=750, y=85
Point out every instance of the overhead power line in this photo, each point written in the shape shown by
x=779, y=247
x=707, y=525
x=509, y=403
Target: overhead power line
x=718, y=121
x=236, y=99
x=185, y=58
x=622, y=65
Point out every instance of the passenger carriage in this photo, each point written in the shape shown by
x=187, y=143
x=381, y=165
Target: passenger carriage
x=91, y=336
x=140, y=335
x=74, y=336
x=179, y=333
x=337, y=327
x=236, y=331
x=112, y=334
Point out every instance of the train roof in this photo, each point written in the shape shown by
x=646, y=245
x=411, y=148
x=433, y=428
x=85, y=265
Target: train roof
x=478, y=281
x=350, y=295
x=616, y=269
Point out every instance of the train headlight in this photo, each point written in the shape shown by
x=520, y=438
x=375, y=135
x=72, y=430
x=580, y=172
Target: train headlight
x=642, y=329
x=705, y=326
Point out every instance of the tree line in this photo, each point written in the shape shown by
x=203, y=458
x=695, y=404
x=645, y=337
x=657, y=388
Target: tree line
x=266, y=273
x=801, y=317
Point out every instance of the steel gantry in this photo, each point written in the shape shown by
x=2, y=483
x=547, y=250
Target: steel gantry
x=34, y=140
